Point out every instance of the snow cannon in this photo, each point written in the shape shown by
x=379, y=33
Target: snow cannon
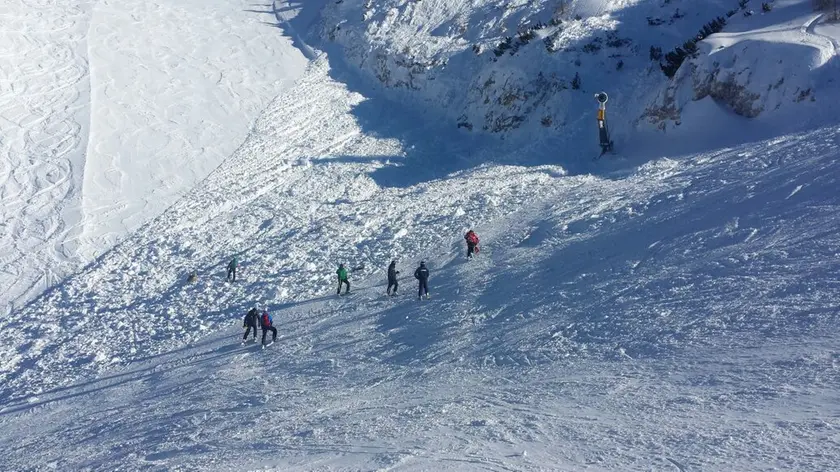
x=603, y=132
x=602, y=99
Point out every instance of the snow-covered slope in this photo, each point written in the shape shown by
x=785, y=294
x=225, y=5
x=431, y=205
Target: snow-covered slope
x=289, y=204
x=171, y=102
x=658, y=311
x=112, y=110
x=331, y=396
x=44, y=124
x=662, y=310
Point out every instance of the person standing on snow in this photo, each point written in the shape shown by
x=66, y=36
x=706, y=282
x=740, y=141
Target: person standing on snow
x=342, y=279
x=231, y=273
x=267, y=325
x=392, y=278
x=472, y=243
x=250, y=322
x=422, y=276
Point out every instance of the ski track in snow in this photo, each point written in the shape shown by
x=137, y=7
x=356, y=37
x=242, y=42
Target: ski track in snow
x=111, y=111
x=44, y=120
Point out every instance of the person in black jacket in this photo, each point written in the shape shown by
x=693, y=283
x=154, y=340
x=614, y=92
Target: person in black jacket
x=392, y=278
x=231, y=273
x=250, y=322
x=422, y=276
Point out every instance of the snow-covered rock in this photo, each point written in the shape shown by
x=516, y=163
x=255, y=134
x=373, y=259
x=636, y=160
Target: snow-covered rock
x=768, y=67
x=499, y=67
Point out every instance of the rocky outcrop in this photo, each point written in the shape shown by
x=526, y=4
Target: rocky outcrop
x=728, y=87
x=751, y=78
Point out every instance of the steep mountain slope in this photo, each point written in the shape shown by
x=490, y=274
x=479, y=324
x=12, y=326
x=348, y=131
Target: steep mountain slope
x=653, y=312
x=290, y=203
x=504, y=67
x=177, y=85
x=661, y=310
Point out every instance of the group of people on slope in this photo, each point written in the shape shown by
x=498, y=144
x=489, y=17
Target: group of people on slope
x=421, y=273
x=260, y=318
x=255, y=318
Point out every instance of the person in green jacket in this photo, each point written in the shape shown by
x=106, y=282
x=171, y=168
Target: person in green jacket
x=342, y=279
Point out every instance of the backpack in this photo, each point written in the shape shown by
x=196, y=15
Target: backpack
x=266, y=320
x=472, y=238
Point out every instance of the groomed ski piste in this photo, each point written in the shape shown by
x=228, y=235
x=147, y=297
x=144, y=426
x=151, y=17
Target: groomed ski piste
x=673, y=307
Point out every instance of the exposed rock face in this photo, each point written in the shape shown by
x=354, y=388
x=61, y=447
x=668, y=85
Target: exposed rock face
x=663, y=110
x=725, y=87
x=516, y=68
x=504, y=101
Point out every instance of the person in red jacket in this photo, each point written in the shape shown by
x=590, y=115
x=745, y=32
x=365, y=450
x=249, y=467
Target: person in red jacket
x=472, y=243
x=266, y=323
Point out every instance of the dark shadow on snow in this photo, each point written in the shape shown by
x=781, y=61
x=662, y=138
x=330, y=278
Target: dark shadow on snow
x=100, y=384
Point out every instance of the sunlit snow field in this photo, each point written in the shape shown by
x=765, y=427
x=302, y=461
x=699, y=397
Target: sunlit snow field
x=670, y=307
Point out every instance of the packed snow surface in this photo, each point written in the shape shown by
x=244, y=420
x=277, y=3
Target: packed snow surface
x=111, y=110
x=673, y=307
